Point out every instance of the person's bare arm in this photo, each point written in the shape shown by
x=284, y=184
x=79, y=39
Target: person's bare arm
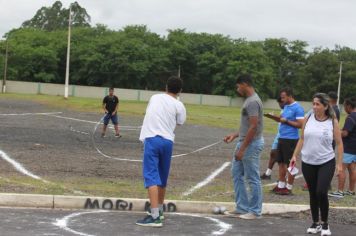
x=104, y=108
x=229, y=138
x=116, y=108
x=296, y=124
x=339, y=146
x=344, y=133
x=299, y=146
x=273, y=117
x=253, y=122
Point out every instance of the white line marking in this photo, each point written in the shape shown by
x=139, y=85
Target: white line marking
x=115, y=158
x=198, y=150
x=22, y=169
x=27, y=114
x=208, y=179
x=77, y=131
x=103, y=154
x=63, y=223
x=19, y=167
x=138, y=160
x=224, y=227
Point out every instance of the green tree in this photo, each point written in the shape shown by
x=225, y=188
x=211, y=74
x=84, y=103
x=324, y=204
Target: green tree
x=56, y=17
x=321, y=73
x=348, y=82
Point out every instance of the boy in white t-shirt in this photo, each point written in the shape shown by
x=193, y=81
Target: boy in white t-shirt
x=163, y=113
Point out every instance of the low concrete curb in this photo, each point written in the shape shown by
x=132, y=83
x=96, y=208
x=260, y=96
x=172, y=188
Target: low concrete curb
x=26, y=200
x=129, y=204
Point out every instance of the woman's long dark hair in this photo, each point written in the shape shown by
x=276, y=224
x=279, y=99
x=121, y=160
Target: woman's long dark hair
x=325, y=100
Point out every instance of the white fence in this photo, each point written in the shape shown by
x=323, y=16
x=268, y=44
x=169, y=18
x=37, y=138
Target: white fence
x=129, y=94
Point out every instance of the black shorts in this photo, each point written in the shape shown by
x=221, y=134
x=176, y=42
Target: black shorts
x=285, y=149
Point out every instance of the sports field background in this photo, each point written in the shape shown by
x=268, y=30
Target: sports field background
x=61, y=150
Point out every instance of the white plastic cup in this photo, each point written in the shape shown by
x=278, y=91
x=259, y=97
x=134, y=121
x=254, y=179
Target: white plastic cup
x=293, y=170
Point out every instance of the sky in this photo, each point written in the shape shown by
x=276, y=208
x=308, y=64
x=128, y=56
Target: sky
x=321, y=23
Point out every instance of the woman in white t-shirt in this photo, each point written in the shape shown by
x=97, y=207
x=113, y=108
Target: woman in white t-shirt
x=318, y=158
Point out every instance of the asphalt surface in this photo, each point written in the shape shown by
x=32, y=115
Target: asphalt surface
x=44, y=222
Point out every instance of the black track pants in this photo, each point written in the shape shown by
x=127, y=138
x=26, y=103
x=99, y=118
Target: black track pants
x=318, y=178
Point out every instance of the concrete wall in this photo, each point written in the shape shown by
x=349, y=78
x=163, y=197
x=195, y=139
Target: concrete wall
x=22, y=87
x=130, y=94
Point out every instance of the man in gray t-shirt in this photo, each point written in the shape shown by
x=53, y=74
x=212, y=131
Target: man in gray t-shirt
x=246, y=160
x=252, y=107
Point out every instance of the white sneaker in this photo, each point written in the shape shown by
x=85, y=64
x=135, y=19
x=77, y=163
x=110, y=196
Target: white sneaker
x=250, y=216
x=325, y=230
x=337, y=194
x=314, y=228
x=232, y=214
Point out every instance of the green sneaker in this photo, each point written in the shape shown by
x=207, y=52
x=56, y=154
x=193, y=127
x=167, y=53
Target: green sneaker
x=161, y=216
x=150, y=222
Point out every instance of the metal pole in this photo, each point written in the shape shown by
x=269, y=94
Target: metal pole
x=3, y=90
x=179, y=71
x=339, y=86
x=66, y=86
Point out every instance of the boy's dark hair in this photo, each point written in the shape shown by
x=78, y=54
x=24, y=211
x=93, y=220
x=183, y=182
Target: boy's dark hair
x=245, y=78
x=111, y=88
x=279, y=99
x=288, y=91
x=174, y=84
x=350, y=102
x=332, y=95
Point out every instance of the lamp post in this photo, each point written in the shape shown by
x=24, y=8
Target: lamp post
x=3, y=89
x=66, y=85
x=339, y=86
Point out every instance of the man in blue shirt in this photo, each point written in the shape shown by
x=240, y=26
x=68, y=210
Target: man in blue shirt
x=291, y=120
x=274, y=148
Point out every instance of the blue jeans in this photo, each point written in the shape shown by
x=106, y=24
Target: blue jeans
x=247, y=172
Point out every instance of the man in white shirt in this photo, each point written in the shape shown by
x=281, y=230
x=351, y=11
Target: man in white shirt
x=163, y=113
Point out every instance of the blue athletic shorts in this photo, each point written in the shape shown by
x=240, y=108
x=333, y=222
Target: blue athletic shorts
x=275, y=143
x=114, y=119
x=157, y=156
x=349, y=158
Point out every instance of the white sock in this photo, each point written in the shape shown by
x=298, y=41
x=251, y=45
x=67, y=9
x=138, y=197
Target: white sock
x=281, y=184
x=268, y=172
x=160, y=207
x=155, y=212
x=289, y=186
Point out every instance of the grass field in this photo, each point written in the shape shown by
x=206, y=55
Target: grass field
x=216, y=116
x=222, y=117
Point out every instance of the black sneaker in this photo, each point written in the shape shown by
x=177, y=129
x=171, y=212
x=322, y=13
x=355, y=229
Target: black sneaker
x=150, y=222
x=314, y=228
x=118, y=136
x=264, y=176
x=325, y=229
